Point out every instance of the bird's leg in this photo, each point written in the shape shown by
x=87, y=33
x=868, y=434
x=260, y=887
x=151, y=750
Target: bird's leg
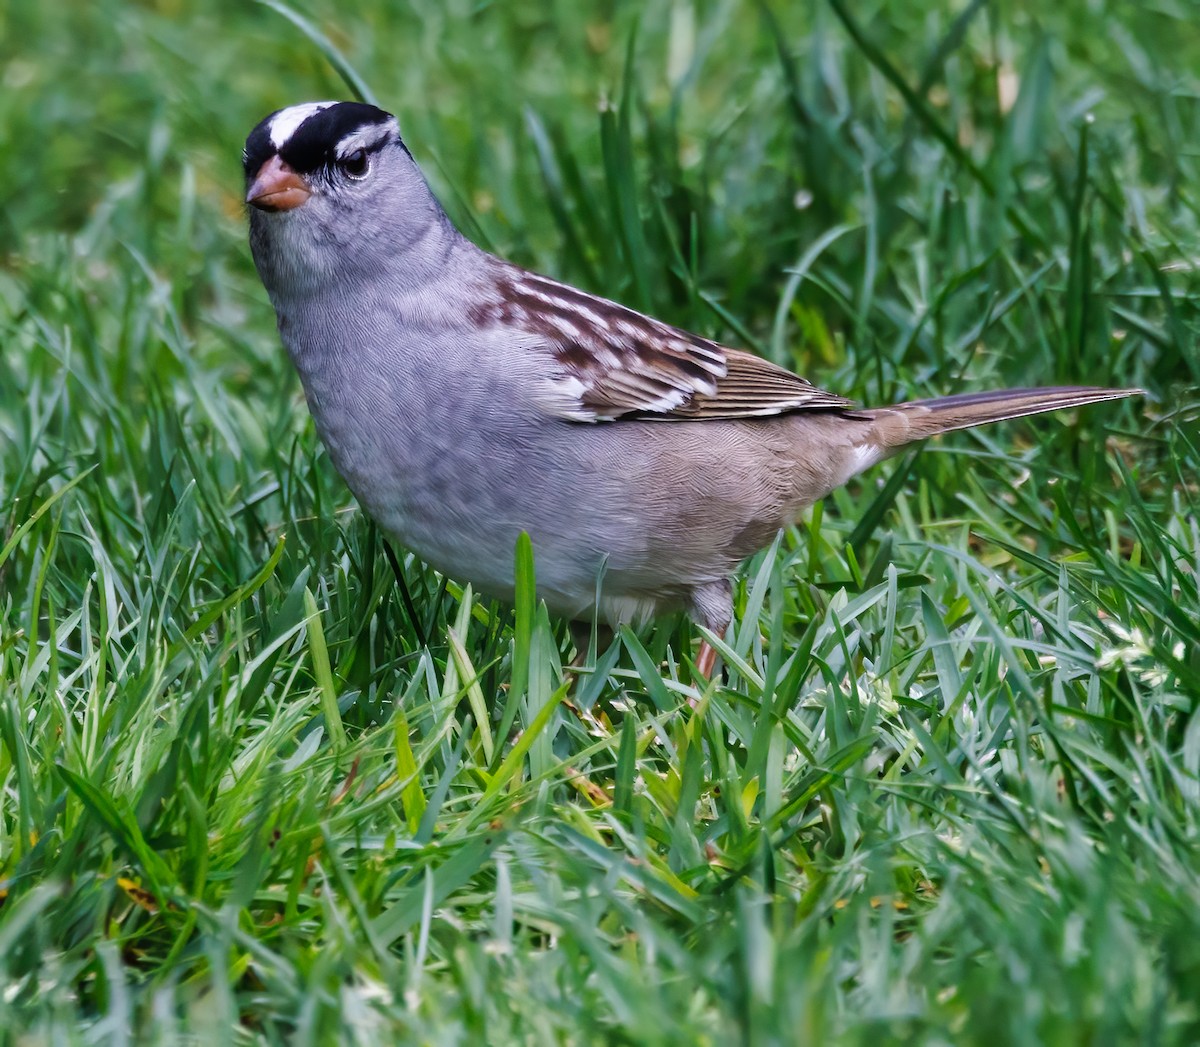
x=706, y=659
x=712, y=607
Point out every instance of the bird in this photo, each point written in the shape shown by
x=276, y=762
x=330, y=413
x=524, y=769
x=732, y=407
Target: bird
x=465, y=400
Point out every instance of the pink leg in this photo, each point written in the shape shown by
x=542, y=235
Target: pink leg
x=712, y=606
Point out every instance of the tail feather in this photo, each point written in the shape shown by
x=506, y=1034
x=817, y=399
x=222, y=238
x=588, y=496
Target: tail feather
x=919, y=419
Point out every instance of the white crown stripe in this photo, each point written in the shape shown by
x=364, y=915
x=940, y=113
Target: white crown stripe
x=284, y=125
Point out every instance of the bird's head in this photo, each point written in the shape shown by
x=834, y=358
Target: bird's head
x=333, y=192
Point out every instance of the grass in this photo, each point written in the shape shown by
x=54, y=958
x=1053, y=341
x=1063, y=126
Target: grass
x=950, y=788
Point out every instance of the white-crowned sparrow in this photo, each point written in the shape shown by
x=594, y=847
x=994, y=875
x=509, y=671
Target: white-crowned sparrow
x=465, y=400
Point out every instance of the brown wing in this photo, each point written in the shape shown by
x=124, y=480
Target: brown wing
x=612, y=362
x=753, y=388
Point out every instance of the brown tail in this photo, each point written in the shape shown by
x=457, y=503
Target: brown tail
x=906, y=423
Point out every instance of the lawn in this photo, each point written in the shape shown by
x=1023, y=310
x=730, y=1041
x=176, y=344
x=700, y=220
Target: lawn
x=948, y=789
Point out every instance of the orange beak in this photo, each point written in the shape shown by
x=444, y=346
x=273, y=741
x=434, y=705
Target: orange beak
x=277, y=187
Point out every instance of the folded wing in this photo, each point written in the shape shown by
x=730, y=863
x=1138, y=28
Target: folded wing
x=612, y=362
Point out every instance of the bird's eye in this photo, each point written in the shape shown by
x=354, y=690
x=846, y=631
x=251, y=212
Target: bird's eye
x=357, y=164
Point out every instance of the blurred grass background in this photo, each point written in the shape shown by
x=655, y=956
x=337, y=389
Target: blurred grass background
x=949, y=790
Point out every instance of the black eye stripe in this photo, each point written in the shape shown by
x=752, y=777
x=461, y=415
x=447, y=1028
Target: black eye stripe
x=312, y=146
x=313, y=143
